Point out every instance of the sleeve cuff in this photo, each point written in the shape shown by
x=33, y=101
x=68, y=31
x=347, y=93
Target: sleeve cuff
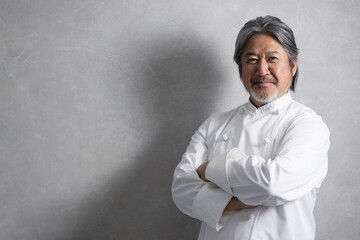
x=217, y=171
x=209, y=205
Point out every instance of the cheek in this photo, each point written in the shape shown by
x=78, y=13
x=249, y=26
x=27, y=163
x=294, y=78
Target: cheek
x=247, y=72
x=245, y=81
x=246, y=85
x=284, y=79
x=281, y=73
x=245, y=76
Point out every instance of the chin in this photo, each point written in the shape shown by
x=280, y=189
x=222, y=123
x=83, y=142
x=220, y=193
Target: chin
x=264, y=97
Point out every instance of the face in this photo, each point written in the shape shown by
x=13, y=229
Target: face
x=265, y=69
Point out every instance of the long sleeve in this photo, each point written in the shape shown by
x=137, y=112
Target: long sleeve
x=299, y=166
x=194, y=197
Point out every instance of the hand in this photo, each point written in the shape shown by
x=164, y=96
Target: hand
x=201, y=171
x=236, y=204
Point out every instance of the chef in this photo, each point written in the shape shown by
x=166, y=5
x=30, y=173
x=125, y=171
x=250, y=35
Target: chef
x=254, y=172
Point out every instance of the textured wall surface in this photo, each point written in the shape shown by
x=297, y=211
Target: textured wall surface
x=98, y=100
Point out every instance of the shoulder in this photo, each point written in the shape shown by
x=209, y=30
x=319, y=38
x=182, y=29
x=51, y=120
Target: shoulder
x=218, y=121
x=299, y=111
x=303, y=117
x=224, y=116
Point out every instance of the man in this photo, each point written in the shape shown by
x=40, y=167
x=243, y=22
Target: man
x=254, y=172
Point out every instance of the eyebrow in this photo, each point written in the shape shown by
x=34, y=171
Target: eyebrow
x=254, y=54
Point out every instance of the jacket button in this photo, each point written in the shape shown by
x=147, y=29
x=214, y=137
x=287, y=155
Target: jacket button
x=225, y=137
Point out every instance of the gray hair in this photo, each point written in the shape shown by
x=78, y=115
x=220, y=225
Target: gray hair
x=274, y=27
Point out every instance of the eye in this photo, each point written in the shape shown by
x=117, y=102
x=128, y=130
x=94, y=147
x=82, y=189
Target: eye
x=252, y=60
x=272, y=59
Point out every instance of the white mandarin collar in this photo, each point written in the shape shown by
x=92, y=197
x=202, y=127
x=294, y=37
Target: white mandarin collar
x=272, y=106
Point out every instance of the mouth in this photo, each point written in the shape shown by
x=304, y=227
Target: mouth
x=263, y=84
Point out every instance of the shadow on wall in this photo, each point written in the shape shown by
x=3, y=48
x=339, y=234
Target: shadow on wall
x=177, y=86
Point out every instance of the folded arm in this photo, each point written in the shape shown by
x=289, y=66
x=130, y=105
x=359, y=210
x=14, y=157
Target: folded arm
x=235, y=203
x=299, y=167
x=193, y=196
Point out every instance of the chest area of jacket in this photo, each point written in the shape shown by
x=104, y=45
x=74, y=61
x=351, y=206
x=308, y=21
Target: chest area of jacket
x=254, y=135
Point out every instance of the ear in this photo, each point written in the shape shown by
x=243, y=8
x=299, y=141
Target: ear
x=294, y=67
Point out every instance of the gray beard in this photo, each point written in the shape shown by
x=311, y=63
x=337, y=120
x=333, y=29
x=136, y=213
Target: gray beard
x=264, y=98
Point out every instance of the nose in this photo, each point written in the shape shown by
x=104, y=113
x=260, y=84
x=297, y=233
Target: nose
x=263, y=68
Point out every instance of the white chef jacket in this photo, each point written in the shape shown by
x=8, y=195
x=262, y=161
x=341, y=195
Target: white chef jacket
x=273, y=157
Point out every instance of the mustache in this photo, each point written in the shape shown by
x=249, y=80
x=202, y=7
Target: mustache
x=263, y=79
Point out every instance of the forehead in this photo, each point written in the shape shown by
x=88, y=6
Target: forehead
x=262, y=43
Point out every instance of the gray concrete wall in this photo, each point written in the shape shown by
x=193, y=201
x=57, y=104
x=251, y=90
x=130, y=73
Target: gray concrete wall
x=98, y=100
